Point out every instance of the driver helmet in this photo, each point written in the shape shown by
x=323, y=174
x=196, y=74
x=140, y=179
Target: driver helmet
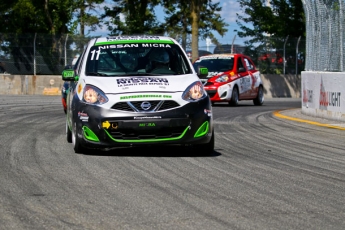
x=160, y=56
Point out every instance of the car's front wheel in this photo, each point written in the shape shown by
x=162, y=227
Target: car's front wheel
x=76, y=140
x=68, y=134
x=207, y=149
x=259, y=100
x=234, y=97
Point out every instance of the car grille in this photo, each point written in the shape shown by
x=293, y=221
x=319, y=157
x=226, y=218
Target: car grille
x=143, y=129
x=130, y=134
x=135, y=106
x=211, y=93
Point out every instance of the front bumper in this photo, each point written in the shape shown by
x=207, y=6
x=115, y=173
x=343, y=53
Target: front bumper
x=103, y=128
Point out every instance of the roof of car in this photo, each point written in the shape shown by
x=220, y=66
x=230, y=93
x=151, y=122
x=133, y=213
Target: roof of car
x=211, y=56
x=133, y=39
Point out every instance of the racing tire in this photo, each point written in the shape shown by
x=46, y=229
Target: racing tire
x=68, y=134
x=259, y=100
x=207, y=149
x=234, y=97
x=77, y=142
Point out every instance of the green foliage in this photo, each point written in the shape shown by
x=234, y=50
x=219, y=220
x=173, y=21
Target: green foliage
x=86, y=15
x=280, y=19
x=179, y=20
x=272, y=28
x=132, y=17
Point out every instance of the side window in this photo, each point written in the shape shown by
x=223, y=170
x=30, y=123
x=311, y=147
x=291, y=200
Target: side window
x=249, y=64
x=239, y=63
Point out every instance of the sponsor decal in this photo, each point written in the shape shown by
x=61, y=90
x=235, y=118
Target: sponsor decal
x=143, y=118
x=307, y=96
x=208, y=112
x=83, y=116
x=254, y=79
x=135, y=81
x=216, y=57
x=144, y=96
x=328, y=98
x=80, y=87
x=137, y=37
x=245, y=83
x=132, y=45
x=150, y=124
x=211, y=74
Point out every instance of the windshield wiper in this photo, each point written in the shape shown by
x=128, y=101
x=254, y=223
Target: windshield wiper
x=136, y=74
x=96, y=74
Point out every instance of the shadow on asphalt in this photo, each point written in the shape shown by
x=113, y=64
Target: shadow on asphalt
x=162, y=151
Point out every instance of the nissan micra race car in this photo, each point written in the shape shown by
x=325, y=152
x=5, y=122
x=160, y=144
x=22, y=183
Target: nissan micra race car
x=231, y=78
x=134, y=91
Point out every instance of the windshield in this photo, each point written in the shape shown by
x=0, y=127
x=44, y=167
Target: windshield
x=136, y=59
x=215, y=64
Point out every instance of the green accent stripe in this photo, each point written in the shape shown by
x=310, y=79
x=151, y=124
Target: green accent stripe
x=135, y=42
x=203, y=130
x=89, y=135
x=148, y=140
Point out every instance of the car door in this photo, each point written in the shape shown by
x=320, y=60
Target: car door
x=244, y=80
x=253, y=74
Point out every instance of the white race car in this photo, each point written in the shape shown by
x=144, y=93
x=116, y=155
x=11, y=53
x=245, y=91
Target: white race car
x=137, y=90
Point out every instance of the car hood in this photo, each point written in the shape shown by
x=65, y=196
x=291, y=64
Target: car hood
x=130, y=84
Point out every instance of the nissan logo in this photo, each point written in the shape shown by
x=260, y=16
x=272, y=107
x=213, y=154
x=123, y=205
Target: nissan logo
x=145, y=105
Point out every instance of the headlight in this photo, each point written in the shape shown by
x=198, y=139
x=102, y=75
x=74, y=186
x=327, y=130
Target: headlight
x=93, y=95
x=194, y=92
x=223, y=78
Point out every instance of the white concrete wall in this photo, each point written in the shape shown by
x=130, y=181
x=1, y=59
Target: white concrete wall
x=323, y=94
x=274, y=85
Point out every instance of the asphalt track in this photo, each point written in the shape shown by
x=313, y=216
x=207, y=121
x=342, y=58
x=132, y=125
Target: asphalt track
x=272, y=168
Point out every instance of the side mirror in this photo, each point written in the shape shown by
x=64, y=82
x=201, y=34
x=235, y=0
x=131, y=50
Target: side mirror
x=69, y=75
x=241, y=69
x=202, y=72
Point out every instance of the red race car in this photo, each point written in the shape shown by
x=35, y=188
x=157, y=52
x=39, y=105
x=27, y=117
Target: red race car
x=231, y=78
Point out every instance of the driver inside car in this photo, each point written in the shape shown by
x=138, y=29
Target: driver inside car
x=159, y=62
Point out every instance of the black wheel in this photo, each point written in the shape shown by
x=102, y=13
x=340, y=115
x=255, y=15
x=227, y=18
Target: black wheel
x=234, y=97
x=259, y=100
x=76, y=140
x=207, y=149
x=68, y=134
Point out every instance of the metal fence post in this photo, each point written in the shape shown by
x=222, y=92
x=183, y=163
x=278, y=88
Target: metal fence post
x=284, y=53
x=35, y=54
x=66, y=49
x=297, y=61
x=341, y=36
x=232, y=45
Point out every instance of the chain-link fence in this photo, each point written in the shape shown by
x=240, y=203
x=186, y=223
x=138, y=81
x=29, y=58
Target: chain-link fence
x=325, y=35
x=271, y=55
x=39, y=54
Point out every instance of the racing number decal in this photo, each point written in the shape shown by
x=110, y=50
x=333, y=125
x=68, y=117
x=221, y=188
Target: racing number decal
x=93, y=54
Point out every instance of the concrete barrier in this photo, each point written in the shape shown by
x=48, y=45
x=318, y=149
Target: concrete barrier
x=323, y=94
x=274, y=85
x=30, y=84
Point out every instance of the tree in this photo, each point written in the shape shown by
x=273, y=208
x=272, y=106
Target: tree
x=23, y=19
x=199, y=18
x=86, y=15
x=278, y=19
x=133, y=17
x=271, y=24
